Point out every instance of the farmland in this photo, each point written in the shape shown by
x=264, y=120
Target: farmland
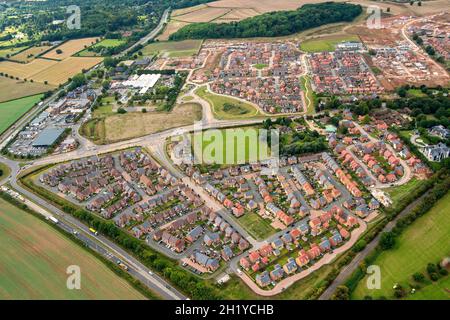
x=60, y=72
x=173, y=49
x=218, y=103
x=11, y=89
x=30, y=53
x=69, y=48
x=119, y=127
x=34, y=266
x=10, y=51
x=27, y=70
x=106, y=43
x=11, y=111
x=425, y=241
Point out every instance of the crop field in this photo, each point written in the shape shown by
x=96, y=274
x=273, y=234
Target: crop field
x=217, y=102
x=35, y=258
x=30, y=53
x=229, y=147
x=425, y=241
x=61, y=71
x=173, y=48
x=11, y=89
x=11, y=111
x=326, y=43
x=172, y=27
x=25, y=70
x=207, y=14
x=69, y=48
x=10, y=51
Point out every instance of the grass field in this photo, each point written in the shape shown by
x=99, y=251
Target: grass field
x=11, y=111
x=425, y=241
x=229, y=146
x=326, y=43
x=35, y=258
x=119, y=127
x=5, y=171
x=107, y=43
x=30, y=54
x=435, y=291
x=173, y=48
x=242, y=110
x=11, y=89
x=69, y=48
x=310, y=96
x=10, y=51
x=256, y=225
x=398, y=193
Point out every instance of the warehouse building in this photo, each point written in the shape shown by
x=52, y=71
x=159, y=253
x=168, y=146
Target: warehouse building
x=47, y=137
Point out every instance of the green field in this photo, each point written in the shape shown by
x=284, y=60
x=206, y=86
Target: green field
x=398, y=193
x=4, y=171
x=326, y=43
x=107, y=43
x=241, y=110
x=256, y=225
x=10, y=51
x=229, y=146
x=438, y=290
x=310, y=96
x=425, y=241
x=11, y=111
x=416, y=93
x=173, y=48
x=35, y=257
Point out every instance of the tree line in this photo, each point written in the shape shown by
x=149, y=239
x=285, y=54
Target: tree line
x=273, y=24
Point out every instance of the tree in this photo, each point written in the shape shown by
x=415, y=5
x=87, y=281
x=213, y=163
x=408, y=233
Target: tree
x=59, y=51
x=387, y=240
x=342, y=293
x=418, y=276
x=121, y=111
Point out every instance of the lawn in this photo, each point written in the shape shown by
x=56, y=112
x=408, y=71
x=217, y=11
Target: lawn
x=256, y=225
x=173, y=48
x=326, y=43
x=11, y=111
x=310, y=96
x=4, y=171
x=398, y=193
x=218, y=103
x=416, y=93
x=35, y=258
x=436, y=291
x=229, y=146
x=425, y=241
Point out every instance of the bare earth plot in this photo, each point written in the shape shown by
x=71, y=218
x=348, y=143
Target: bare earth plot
x=35, y=257
x=11, y=89
x=69, y=48
x=126, y=126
